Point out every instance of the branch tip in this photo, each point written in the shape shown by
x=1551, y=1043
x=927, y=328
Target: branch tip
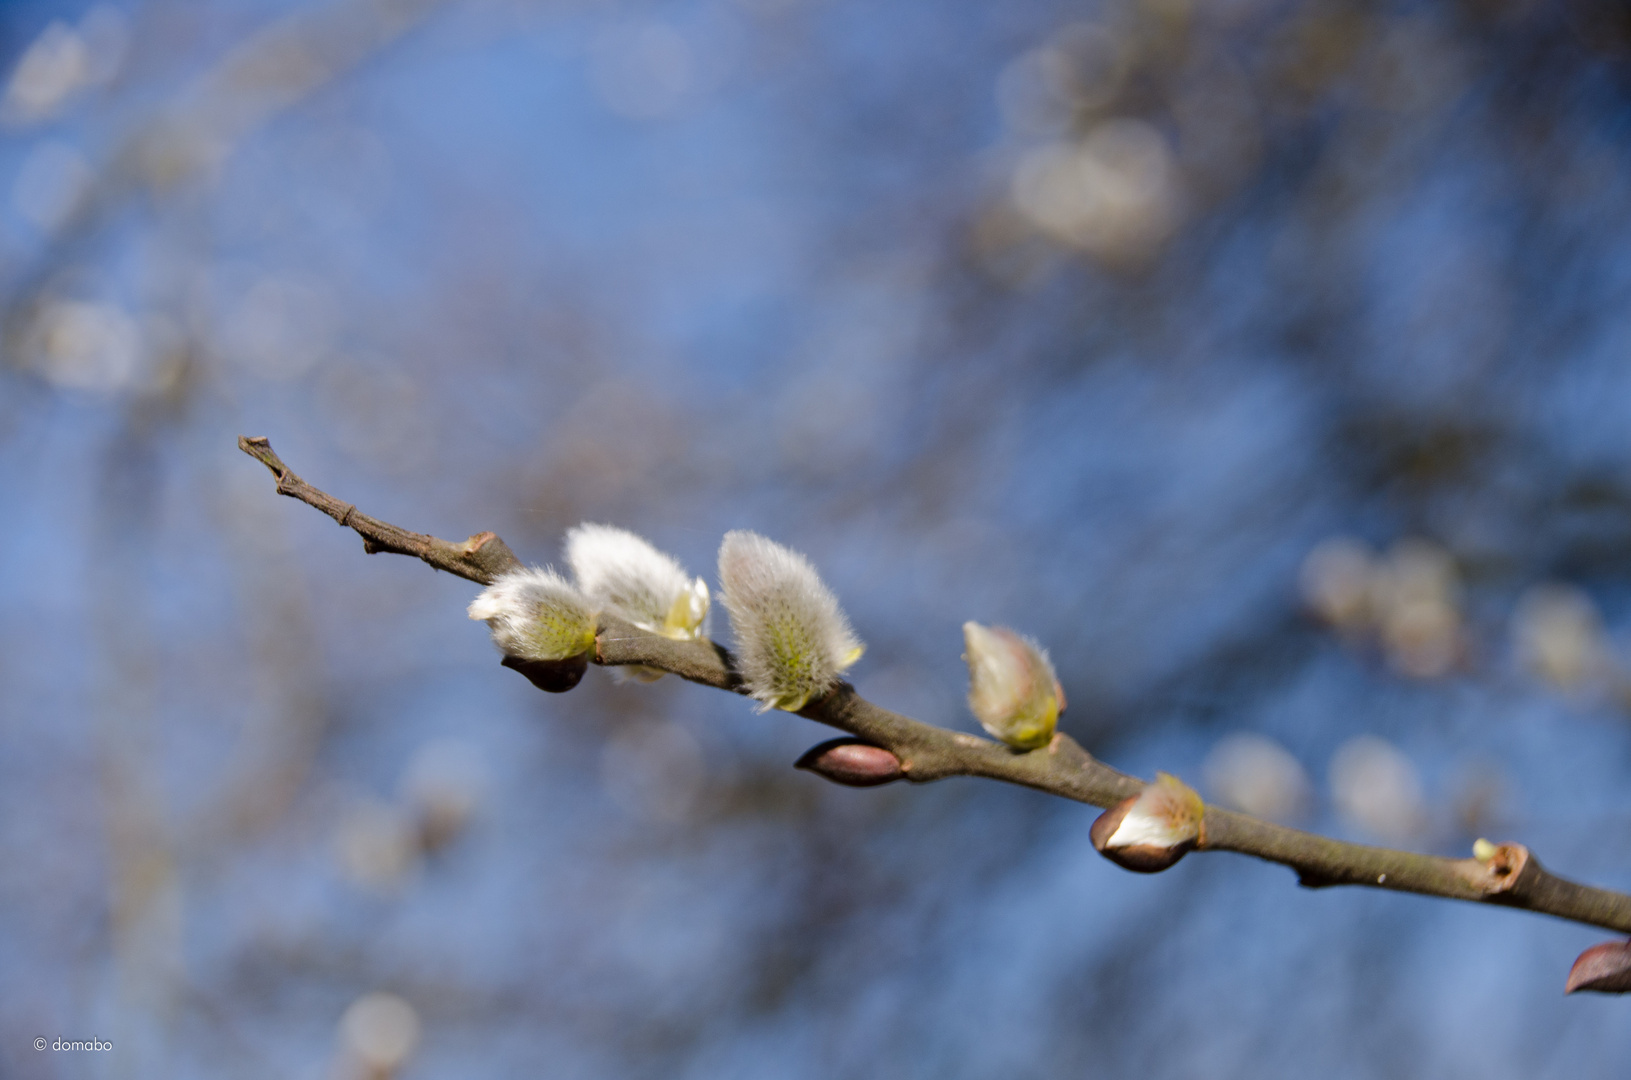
x=484, y=558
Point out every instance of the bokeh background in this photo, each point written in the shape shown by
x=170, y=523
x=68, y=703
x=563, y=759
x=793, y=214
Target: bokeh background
x=1269, y=360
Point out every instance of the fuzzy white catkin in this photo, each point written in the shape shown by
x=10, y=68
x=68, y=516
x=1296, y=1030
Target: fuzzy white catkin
x=792, y=640
x=622, y=573
x=536, y=614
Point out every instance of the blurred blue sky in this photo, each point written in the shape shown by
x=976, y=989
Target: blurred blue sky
x=1097, y=321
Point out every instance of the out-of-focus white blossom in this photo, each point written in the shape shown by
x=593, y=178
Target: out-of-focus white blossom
x=378, y=1034
x=49, y=71
x=1416, y=597
x=1012, y=689
x=1559, y=635
x=63, y=60
x=792, y=640
x=1410, y=600
x=536, y=614
x=1114, y=194
x=87, y=346
x=1336, y=581
x=1256, y=776
x=1376, y=788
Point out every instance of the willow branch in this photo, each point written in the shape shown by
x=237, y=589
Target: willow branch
x=481, y=559
x=1512, y=877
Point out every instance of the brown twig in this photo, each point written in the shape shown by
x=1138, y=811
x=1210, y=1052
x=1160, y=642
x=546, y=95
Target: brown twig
x=1511, y=877
x=481, y=559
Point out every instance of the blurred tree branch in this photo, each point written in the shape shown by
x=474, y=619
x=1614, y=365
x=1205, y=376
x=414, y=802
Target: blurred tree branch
x=1510, y=876
x=191, y=133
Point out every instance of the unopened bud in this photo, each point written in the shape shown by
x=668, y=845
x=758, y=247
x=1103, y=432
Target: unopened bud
x=1602, y=969
x=1011, y=686
x=1483, y=850
x=536, y=615
x=1153, y=829
x=851, y=762
x=551, y=676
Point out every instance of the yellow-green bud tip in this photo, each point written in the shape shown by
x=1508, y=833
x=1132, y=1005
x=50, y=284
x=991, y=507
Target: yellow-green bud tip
x=1012, y=689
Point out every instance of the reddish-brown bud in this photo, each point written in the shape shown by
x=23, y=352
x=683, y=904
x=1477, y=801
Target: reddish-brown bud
x=1151, y=830
x=551, y=676
x=1604, y=969
x=852, y=763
